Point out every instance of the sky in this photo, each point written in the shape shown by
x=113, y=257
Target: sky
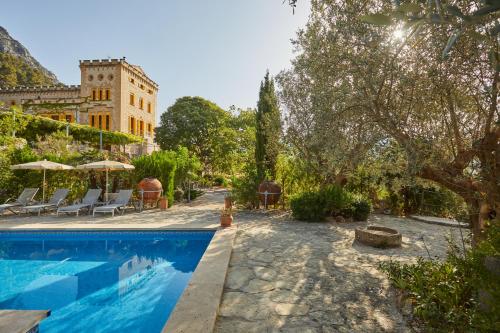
x=217, y=49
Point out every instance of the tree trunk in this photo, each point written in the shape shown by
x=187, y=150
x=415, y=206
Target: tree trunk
x=479, y=214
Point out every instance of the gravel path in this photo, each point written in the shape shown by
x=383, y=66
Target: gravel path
x=288, y=276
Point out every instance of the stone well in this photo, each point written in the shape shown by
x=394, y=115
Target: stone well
x=378, y=236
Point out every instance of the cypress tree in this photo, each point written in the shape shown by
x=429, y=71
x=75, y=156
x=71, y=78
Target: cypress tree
x=268, y=130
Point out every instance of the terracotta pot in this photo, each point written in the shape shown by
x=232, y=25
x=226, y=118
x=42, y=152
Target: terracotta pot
x=228, y=202
x=226, y=220
x=150, y=184
x=270, y=187
x=163, y=203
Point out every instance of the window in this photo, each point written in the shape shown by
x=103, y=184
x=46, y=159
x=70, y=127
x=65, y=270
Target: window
x=141, y=86
x=69, y=118
x=132, y=99
x=141, y=127
x=94, y=95
x=100, y=120
x=108, y=94
x=149, y=107
x=150, y=91
x=13, y=103
x=131, y=80
x=141, y=103
x=132, y=125
x=54, y=117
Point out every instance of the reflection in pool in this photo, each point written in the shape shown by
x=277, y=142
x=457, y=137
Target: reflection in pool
x=98, y=281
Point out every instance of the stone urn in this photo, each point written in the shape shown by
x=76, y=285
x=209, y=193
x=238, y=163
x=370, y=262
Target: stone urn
x=273, y=193
x=153, y=185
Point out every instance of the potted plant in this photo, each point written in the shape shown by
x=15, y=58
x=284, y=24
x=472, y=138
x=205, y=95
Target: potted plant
x=163, y=203
x=226, y=217
x=228, y=201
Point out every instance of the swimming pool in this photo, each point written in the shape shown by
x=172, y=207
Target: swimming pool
x=116, y=281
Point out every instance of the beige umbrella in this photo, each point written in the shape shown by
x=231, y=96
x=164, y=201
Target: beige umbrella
x=106, y=166
x=42, y=165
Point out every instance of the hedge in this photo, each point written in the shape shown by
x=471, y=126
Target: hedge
x=37, y=125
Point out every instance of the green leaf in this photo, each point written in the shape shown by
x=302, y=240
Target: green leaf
x=410, y=8
x=436, y=18
x=494, y=60
x=487, y=10
x=477, y=36
x=495, y=30
x=377, y=19
x=451, y=41
x=454, y=10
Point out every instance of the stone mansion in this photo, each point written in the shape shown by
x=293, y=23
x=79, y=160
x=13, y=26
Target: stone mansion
x=113, y=95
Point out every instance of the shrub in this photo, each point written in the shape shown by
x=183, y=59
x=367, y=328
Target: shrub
x=188, y=167
x=178, y=194
x=361, y=209
x=220, y=181
x=446, y=295
x=336, y=199
x=245, y=188
x=431, y=200
x=309, y=206
x=193, y=194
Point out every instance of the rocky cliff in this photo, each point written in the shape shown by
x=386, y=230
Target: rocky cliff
x=10, y=48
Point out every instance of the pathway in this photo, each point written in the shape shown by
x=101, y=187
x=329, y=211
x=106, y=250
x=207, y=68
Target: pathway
x=288, y=276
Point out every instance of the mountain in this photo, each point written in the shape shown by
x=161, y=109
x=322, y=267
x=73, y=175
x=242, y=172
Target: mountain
x=17, y=65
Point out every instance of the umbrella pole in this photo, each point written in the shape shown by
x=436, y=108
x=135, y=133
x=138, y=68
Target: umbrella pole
x=43, y=187
x=106, y=185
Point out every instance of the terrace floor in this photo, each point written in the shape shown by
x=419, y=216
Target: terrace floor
x=288, y=276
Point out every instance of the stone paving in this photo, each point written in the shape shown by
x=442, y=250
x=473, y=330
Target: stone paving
x=288, y=276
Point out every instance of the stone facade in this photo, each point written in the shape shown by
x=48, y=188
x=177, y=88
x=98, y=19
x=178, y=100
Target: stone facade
x=114, y=95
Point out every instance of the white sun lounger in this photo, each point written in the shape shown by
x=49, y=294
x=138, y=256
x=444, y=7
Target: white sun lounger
x=24, y=199
x=55, y=201
x=88, y=202
x=117, y=205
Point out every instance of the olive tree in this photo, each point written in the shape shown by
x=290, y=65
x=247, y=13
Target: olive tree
x=443, y=113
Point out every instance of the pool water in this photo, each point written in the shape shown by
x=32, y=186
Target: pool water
x=98, y=281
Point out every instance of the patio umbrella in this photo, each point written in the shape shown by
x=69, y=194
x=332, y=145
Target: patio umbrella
x=42, y=165
x=106, y=166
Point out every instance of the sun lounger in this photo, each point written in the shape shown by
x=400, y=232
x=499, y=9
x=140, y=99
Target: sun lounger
x=55, y=201
x=117, y=205
x=88, y=202
x=24, y=199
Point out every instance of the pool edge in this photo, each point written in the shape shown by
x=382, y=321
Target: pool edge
x=197, y=308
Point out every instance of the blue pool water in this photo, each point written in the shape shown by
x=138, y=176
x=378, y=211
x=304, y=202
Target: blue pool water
x=98, y=281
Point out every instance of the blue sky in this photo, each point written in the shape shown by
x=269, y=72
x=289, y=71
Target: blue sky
x=218, y=49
